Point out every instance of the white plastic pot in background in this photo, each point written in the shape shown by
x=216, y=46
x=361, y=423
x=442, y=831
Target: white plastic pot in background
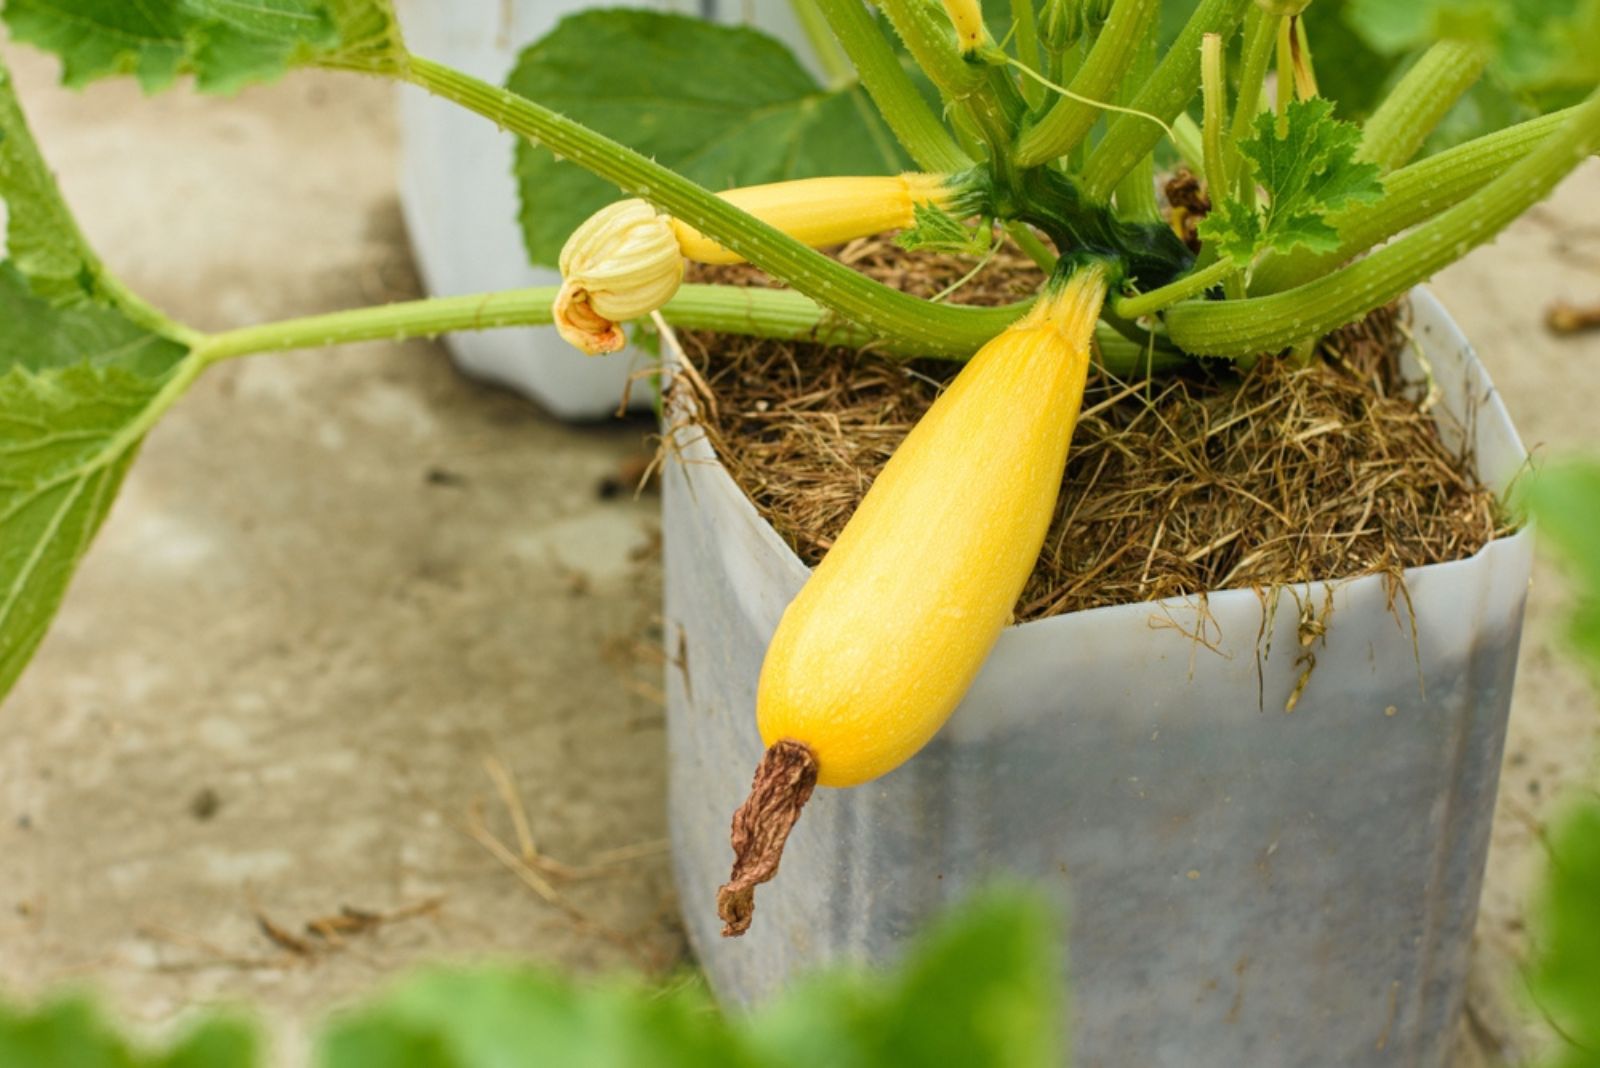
x=1240, y=886
x=460, y=199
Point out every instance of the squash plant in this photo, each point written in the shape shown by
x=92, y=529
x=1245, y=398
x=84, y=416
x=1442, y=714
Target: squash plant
x=1046, y=119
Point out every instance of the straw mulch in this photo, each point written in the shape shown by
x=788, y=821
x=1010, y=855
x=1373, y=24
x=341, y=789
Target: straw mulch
x=1177, y=485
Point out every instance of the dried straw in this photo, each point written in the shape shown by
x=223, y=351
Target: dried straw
x=1176, y=485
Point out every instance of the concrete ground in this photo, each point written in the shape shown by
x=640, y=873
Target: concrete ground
x=340, y=581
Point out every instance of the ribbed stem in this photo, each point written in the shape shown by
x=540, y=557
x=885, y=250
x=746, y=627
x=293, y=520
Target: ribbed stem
x=1260, y=38
x=1423, y=96
x=1214, y=93
x=934, y=329
x=1171, y=88
x=1184, y=288
x=1136, y=193
x=770, y=313
x=891, y=88
x=1027, y=43
x=1069, y=119
x=1243, y=328
x=835, y=64
x=1411, y=195
x=925, y=29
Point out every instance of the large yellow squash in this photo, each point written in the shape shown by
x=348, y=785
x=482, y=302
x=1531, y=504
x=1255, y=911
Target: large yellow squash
x=889, y=632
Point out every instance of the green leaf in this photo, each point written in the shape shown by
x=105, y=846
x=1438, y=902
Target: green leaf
x=1535, y=45
x=936, y=230
x=983, y=989
x=1565, y=974
x=225, y=44
x=42, y=236
x=70, y=1034
x=1565, y=500
x=725, y=106
x=1309, y=173
x=78, y=388
x=508, y=1018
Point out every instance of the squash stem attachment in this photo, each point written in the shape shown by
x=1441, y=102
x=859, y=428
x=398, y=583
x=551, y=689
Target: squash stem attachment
x=784, y=780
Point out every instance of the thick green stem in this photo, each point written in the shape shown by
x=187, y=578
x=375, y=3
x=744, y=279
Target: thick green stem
x=1419, y=101
x=770, y=313
x=1136, y=193
x=1214, y=94
x=1029, y=243
x=780, y=314
x=965, y=85
x=1171, y=88
x=1027, y=42
x=835, y=64
x=933, y=329
x=1260, y=40
x=891, y=88
x=1189, y=140
x=1411, y=195
x=1070, y=118
x=1285, y=79
x=1184, y=288
x=1244, y=328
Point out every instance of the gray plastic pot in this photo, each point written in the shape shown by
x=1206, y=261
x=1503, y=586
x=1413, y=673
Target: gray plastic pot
x=460, y=200
x=1241, y=885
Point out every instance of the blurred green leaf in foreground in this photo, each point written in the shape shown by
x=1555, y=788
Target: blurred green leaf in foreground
x=980, y=990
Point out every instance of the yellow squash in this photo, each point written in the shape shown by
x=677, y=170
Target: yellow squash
x=889, y=632
x=824, y=211
x=967, y=17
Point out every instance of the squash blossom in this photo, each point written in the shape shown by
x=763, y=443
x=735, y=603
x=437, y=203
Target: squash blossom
x=626, y=260
x=622, y=263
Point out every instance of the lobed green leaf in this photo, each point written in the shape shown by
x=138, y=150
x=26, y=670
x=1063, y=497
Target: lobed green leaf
x=1535, y=45
x=1309, y=173
x=225, y=44
x=725, y=106
x=71, y=1034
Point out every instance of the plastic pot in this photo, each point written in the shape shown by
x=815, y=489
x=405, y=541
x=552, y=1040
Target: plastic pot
x=1239, y=885
x=460, y=200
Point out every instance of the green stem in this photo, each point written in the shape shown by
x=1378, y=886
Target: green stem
x=1285, y=79
x=1136, y=193
x=925, y=29
x=779, y=314
x=1214, y=95
x=1419, y=101
x=891, y=88
x=770, y=313
x=1411, y=195
x=926, y=33
x=1029, y=242
x=1070, y=118
x=1171, y=88
x=935, y=329
x=1189, y=140
x=1027, y=38
x=1260, y=40
x=1244, y=328
x=1189, y=285
x=835, y=64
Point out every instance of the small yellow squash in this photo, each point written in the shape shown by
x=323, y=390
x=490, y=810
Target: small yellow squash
x=825, y=211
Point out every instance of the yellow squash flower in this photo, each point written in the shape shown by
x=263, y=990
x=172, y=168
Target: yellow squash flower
x=623, y=262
